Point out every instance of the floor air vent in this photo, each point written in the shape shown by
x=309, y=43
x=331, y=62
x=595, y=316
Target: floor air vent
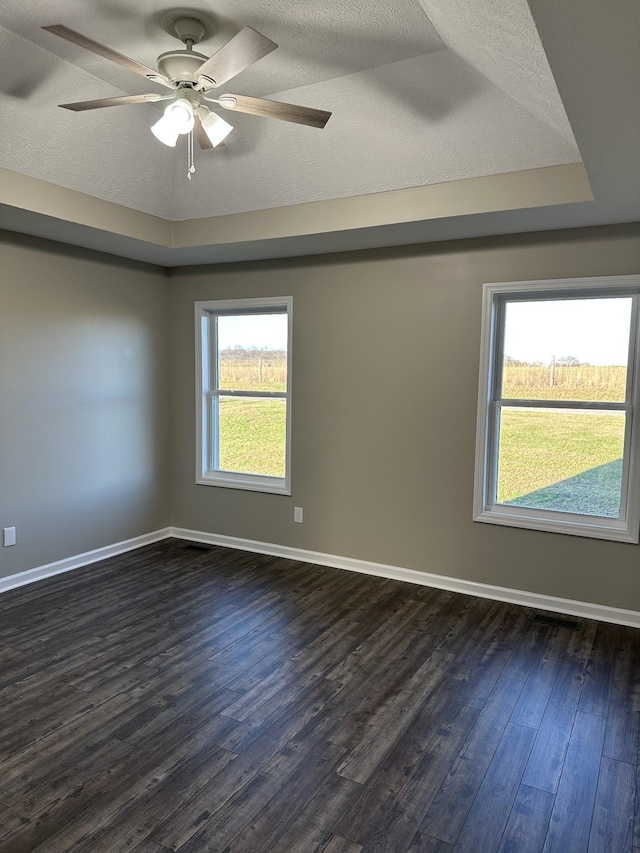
x=195, y=546
x=556, y=621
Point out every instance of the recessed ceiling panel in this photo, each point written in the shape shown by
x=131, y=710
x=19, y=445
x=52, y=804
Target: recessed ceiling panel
x=426, y=120
x=409, y=108
x=500, y=39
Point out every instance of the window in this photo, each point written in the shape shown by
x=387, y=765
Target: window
x=557, y=441
x=243, y=394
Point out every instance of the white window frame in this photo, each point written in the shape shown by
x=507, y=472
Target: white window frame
x=208, y=394
x=485, y=508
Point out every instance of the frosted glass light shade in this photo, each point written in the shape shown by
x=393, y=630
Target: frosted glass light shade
x=216, y=128
x=181, y=114
x=178, y=118
x=165, y=131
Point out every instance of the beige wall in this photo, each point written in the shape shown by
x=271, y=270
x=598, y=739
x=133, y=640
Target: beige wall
x=385, y=380
x=384, y=395
x=83, y=400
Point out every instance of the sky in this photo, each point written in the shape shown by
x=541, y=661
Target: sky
x=595, y=331
x=263, y=331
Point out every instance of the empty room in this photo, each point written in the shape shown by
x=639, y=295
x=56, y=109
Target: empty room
x=319, y=437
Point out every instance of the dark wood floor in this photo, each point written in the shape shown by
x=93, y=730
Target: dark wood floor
x=174, y=699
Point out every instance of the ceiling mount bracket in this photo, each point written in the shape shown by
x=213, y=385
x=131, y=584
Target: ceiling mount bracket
x=189, y=26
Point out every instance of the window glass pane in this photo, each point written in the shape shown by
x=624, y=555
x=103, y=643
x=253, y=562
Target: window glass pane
x=566, y=349
x=252, y=352
x=557, y=459
x=252, y=435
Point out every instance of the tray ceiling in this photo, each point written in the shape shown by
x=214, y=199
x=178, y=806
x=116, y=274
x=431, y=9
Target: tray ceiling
x=423, y=93
x=414, y=103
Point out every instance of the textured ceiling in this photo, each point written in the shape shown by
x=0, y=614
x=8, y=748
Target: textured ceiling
x=426, y=120
x=317, y=41
x=499, y=38
x=421, y=93
x=593, y=57
x=109, y=155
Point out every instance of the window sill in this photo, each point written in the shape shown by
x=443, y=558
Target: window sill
x=572, y=526
x=246, y=482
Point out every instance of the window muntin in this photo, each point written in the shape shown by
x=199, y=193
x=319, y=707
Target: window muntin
x=244, y=407
x=556, y=439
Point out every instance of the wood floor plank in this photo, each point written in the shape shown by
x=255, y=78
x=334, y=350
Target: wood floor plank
x=570, y=822
x=373, y=688
x=90, y=806
x=636, y=825
x=391, y=634
x=38, y=794
x=342, y=845
x=147, y=846
x=305, y=705
x=315, y=659
x=300, y=759
x=450, y=807
x=613, y=813
x=378, y=741
x=598, y=679
x=547, y=757
x=312, y=828
x=172, y=699
x=527, y=651
x=490, y=811
x=63, y=739
x=498, y=653
x=135, y=821
x=389, y=810
x=10, y=822
x=622, y=741
x=180, y=825
x=424, y=844
x=528, y=822
x=537, y=689
x=265, y=831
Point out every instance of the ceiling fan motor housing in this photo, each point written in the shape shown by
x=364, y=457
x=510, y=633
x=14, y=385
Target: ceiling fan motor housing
x=180, y=66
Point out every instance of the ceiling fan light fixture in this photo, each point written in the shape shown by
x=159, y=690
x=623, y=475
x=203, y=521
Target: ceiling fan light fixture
x=216, y=128
x=181, y=115
x=165, y=131
x=178, y=119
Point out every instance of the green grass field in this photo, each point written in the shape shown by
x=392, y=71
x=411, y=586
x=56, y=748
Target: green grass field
x=561, y=460
x=252, y=436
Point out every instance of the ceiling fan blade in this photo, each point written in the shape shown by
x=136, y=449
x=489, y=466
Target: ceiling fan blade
x=80, y=106
x=198, y=130
x=107, y=53
x=275, y=109
x=237, y=54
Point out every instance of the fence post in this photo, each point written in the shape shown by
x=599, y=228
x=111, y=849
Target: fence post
x=552, y=371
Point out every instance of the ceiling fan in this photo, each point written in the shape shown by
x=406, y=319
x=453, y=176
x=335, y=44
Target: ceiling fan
x=192, y=77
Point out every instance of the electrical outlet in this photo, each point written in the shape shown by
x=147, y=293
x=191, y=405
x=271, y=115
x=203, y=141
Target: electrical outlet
x=9, y=536
x=297, y=514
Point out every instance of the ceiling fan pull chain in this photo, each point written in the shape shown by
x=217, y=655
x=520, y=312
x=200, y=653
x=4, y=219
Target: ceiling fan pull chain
x=190, y=164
